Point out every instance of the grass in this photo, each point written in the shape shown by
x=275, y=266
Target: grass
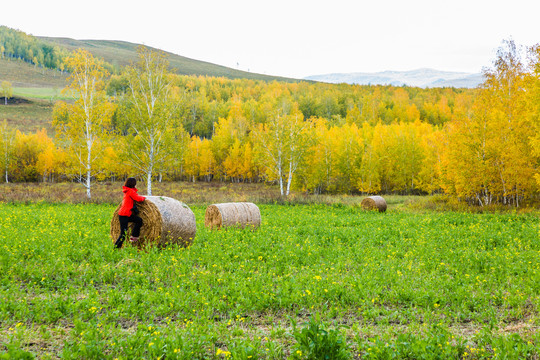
x=51, y=94
x=29, y=116
x=22, y=74
x=314, y=279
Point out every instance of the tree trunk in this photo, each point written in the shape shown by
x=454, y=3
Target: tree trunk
x=88, y=179
x=280, y=180
x=289, y=179
x=149, y=183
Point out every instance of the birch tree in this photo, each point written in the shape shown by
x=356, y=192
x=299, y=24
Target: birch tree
x=489, y=157
x=534, y=101
x=7, y=139
x=283, y=141
x=7, y=90
x=83, y=125
x=150, y=111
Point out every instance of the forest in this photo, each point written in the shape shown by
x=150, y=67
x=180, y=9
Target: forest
x=479, y=145
x=19, y=45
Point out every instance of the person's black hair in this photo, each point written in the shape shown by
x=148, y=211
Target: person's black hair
x=130, y=182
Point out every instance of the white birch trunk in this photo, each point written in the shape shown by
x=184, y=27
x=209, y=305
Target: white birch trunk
x=280, y=173
x=88, y=193
x=149, y=183
x=289, y=179
x=89, y=170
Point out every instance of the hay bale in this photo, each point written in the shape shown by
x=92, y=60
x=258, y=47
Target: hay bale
x=374, y=203
x=165, y=221
x=240, y=214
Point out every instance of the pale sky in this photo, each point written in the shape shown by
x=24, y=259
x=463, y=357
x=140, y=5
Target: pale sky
x=295, y=38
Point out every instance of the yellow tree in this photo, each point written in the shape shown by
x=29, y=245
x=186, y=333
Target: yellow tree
x=191, y=160
x=410, y=154
x=149, y=109
x=368, y=179
x=383, y=142
x=533, y=81
x=283, y=142
x=429, y=179
x=466, y=165
x=504, y=97
x=206, y=160
x=489, y=157
x=228, y=131
x=347, y=155
x=178, y=150
x=7, y=140
x=112, y=160
x=320, y=157
x=50, y=159
x=233, y=164
x=83, y=125
x=30, y=149
x=7, y=90
x=248, y=169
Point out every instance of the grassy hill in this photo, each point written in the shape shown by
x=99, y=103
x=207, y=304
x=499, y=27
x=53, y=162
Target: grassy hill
x=23, y=74
x=122, y=53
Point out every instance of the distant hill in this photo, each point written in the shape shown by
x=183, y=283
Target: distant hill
x=425, y=78
x=121, y=53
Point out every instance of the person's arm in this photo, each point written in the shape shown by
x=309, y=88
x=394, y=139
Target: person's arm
x=136, y=196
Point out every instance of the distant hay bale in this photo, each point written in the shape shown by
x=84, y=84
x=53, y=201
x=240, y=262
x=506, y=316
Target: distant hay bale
x=240, y=214
x=374, y=203
x=165, y=221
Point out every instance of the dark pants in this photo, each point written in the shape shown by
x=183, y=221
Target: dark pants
x=124, y=221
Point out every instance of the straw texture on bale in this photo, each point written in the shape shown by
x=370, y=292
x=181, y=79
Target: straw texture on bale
x=374, y=203
x=165, y=221
x=240, y=214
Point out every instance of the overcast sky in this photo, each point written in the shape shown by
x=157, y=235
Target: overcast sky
x=295, y=38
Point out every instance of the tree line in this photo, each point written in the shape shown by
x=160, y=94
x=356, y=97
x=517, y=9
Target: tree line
x=16, y=44
x=481, y=145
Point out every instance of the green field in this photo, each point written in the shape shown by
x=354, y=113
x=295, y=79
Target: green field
x=314, y=279
x=51, y=94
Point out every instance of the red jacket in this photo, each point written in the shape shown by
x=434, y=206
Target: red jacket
x=130, y=195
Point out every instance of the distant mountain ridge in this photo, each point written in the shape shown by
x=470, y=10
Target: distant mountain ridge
x=425, y=78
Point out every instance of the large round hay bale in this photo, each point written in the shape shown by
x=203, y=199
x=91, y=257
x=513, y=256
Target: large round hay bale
x=165, y=221
x=374, y=203
x=240, y=214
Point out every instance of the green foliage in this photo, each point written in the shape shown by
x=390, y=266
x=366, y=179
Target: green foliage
x=439, y=345
x=19, y=45
x=16, y=353
x=315, y=342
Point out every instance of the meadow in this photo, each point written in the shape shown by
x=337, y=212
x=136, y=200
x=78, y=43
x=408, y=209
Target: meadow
x=314, y=280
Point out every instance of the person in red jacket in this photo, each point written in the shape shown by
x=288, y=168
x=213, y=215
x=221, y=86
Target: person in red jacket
x=126, y=214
